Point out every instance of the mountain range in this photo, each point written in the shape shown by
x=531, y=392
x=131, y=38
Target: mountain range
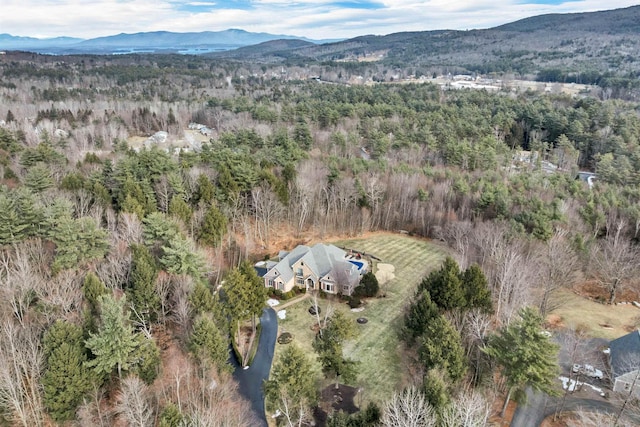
x=586, y=45
x=157, y=41
x=591, y=45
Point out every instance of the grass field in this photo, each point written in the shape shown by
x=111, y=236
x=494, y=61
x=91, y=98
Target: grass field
x=376, y=347
x=600, y=320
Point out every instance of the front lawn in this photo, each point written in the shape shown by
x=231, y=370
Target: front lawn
x=376, y=346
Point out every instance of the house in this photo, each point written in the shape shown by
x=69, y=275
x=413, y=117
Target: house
x=624, y=360
x=320, y=267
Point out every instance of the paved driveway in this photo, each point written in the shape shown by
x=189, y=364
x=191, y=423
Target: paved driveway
x=250, y=380
x=539, y=406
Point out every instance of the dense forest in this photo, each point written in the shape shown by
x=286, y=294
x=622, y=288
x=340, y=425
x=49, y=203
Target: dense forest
x=113, y=245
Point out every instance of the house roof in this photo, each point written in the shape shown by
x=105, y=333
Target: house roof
x=321, y=259
x=284, y=266
x=625, y=354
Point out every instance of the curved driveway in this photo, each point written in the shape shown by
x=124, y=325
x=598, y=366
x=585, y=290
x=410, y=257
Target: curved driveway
x=539, y=406
x=250, y=380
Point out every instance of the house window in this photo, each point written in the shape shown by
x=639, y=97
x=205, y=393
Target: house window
x=271, y=283
x=345, y=289
x=627, y=386
x=328, y=287
x=300, y=281
x=281, y=286
x=299, y=272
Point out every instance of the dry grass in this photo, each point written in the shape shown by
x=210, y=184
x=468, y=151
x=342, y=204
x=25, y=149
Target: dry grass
x=376, y=347
x=599, y=320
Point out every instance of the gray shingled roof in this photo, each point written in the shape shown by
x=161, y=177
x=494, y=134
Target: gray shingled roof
x=321, y=259
x=625, y=354
x=284, y=266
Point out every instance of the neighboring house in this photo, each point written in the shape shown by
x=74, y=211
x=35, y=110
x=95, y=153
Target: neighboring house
x=320, y=267
x=624, y=360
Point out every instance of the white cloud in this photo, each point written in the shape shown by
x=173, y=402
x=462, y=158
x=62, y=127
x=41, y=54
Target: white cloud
x=308, y=18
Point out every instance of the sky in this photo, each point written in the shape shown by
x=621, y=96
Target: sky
x=319, y=19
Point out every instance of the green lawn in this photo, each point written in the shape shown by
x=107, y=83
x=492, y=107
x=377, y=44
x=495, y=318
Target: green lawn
x=376, y=346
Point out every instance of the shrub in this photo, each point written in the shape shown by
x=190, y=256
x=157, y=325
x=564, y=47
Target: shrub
x=354, y=302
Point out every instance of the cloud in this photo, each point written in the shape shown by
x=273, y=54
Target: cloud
x=309, y=18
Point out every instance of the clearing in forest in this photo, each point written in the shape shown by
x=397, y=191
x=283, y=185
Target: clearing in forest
x=376, y=346
x=600, y=320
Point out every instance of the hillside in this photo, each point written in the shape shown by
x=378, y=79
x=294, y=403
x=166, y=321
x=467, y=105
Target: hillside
x=602, y=42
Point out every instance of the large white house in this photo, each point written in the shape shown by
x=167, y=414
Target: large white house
x=320, y=267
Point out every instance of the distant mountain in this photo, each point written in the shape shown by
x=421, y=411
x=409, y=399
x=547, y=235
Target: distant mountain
x=586, y=44
x=9, y=42
x=159, y=41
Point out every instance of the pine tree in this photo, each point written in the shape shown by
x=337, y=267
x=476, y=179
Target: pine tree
x=440, y=346
x=528, y=358
x=66, y=378
x=77, y=241
x=256, y=290
x=115, y=343
x=213, y=227
x=291, y=387
x=329, y=347
x=209, y=345
x=205, y=190
x=180, y=257
x=178, y=208
x=421, y=312
x=476, y=289
x=142, y=281
x=445, y=286
x=93, y=288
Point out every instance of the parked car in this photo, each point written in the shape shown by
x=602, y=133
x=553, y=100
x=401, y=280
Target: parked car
x=588, y=370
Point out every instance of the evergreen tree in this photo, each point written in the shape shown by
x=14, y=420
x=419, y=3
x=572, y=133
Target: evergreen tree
x=171, y=416
x=255, y=288
x=435, y=388
x=205, y=190
x=329, y=347
x=115, y=344
x=528, y=358
x=445, y=286
x=38, y=178
x=421, y=312
x=213, y=227
x=476, y=289
x=92, y=289
x=179, y=256
x=440, y=346
x=201, y=298
x=146, y=359
x=368, y=286
x=66, y=378
x=291, y=387
x=142, y=281
x=208, y=344
x=178, y=208
x=77, y=241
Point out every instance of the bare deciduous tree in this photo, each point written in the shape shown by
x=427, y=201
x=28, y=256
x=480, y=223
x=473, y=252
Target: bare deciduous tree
x=613, y=262
x=267, y=209
x=408, y=408
x=133, y=404
x=469, y=409
x=557, y=264
x=21, y=362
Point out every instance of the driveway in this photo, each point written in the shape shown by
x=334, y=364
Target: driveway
x=250, y=380
x=539, y=406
